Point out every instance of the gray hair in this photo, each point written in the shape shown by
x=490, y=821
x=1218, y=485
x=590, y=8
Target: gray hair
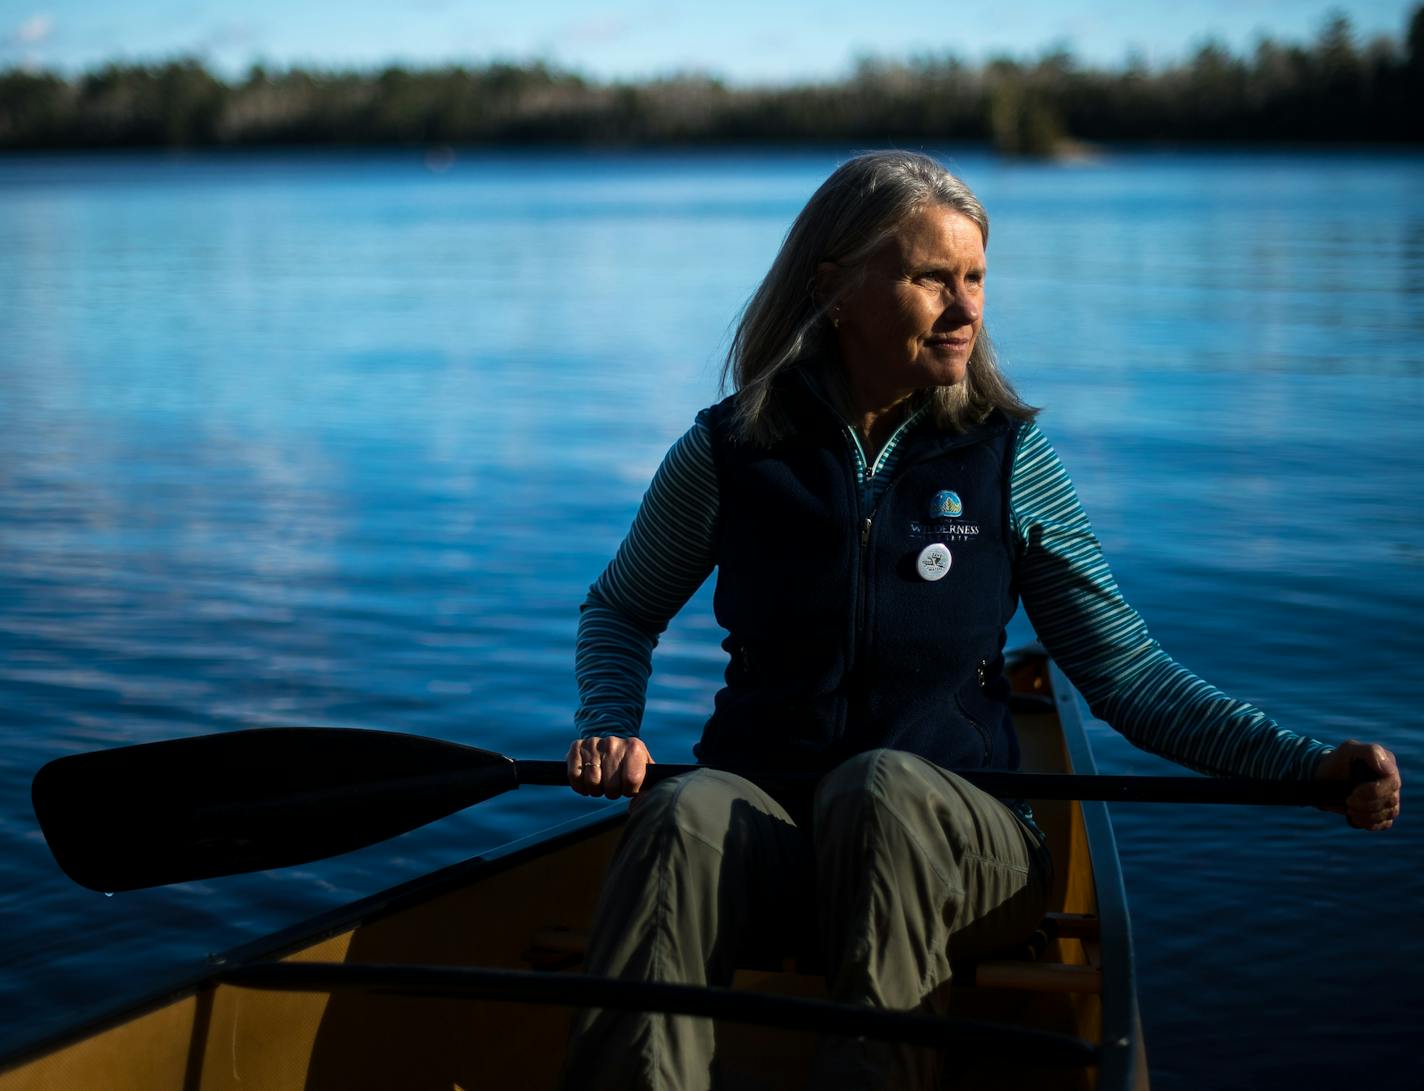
x=786, y=321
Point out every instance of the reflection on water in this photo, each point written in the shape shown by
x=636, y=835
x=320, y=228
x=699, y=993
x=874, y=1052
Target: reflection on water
x=336, y=439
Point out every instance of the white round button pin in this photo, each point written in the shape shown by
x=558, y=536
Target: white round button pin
x=934, y=561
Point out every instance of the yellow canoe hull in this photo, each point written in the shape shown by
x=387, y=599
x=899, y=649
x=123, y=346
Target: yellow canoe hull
x=527, y=907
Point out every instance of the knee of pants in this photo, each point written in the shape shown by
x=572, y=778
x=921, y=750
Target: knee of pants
x=706, y=807
x=863, y=781
x=896, y=794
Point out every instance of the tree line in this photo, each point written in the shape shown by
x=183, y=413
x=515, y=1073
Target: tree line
x=1334, y=90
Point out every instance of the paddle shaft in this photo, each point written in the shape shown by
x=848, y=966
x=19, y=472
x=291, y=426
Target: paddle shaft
x=210, y=805
x=1003, y=783
x=1014, y=785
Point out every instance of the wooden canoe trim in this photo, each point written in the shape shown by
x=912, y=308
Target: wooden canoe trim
x=1056, y=977
x=1071, y=925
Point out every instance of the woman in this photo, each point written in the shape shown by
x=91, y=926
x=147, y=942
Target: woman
x=876, y=499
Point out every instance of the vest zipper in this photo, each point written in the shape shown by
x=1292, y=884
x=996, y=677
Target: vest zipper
x=860, y=606
x=861, y=471
x=861, y=609
x=862, y=580
x=855, y=668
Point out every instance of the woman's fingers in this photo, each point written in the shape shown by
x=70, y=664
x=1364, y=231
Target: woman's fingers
x=612, y=753
x=607, y=765
x=627, y=776
x=1374, y=803
x=636, y=767
x=586, y=767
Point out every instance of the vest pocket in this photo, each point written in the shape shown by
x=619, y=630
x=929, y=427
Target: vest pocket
x=985, y=738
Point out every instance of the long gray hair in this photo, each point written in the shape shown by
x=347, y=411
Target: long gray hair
x=786, y=321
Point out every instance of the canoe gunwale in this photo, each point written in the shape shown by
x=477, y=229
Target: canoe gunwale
x=322, y=926
x=1121, y=1026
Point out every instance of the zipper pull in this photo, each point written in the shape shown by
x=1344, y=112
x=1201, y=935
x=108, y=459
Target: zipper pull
x=865, y=533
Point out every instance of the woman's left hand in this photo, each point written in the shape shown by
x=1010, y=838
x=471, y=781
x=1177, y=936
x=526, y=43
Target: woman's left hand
x=1374, y=804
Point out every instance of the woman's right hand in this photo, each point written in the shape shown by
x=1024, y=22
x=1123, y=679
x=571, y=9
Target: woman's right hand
x=1374, y=803
x=608, y=765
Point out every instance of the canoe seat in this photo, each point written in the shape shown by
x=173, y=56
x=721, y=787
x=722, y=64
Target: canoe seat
x=563, y=949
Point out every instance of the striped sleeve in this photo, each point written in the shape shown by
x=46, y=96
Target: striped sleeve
x=1104, y=647
x=664, y=559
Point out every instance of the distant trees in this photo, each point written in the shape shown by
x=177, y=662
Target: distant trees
x=1334, y=90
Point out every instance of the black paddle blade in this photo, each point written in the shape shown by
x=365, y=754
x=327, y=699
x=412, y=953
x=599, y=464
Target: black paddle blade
x=170, y=812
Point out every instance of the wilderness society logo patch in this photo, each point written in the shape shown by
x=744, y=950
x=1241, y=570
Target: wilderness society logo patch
x=946, y=510
x=944, y=532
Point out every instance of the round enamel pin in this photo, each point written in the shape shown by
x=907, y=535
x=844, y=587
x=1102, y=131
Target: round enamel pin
x=933, y=562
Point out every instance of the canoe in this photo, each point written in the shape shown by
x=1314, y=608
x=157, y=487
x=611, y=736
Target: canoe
x=523, y=909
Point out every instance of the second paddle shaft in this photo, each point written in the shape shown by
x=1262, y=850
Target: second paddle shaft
x=1014, y=785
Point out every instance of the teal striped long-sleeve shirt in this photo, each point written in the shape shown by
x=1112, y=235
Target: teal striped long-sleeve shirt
x=1070, y=595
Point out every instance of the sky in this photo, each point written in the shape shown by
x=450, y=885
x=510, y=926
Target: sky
x=742, y=41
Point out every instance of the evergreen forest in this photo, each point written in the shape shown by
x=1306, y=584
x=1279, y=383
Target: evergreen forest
x=1335, y=89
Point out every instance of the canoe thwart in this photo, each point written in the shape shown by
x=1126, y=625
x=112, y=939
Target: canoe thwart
x=732, y=1005
x=558, y=940
x=1071, y=925
x=560, y=948
x=1049, y=977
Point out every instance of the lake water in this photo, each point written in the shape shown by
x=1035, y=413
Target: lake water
x=343, y=438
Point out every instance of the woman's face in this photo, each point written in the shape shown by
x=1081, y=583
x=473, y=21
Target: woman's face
x=912, y=320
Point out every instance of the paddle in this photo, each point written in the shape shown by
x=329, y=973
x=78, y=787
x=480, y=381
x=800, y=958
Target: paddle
x=196, y=808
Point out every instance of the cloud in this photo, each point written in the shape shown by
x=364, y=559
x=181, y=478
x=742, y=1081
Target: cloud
x=781, y=42
x=230, y=42
x=596, y=30
x=32, y=31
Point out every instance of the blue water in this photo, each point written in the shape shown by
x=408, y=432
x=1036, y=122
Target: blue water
x=341, y=439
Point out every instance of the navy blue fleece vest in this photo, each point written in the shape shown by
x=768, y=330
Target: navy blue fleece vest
x=837, y=644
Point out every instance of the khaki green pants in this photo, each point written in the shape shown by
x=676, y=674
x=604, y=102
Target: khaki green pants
x=904, y=865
